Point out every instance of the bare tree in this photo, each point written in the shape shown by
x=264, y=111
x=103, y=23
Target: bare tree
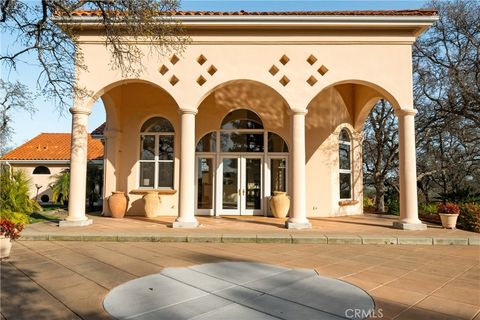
x=380, y=150
x=447, y=95
x=14, y=97
x=43, y=32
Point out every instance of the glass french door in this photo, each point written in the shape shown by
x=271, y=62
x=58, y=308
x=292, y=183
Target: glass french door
x=241, y=185
x=205, y=191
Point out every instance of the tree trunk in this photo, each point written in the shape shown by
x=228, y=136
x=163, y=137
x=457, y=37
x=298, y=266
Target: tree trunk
x=380, y=197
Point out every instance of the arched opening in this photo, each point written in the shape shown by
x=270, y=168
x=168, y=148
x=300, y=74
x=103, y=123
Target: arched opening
x=41, y=170
x=140, y=140
x=334, y=125
x=239, y=165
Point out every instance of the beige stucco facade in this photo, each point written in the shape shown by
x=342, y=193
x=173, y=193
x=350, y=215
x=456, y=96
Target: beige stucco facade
x=307, y=78
x=40, y=180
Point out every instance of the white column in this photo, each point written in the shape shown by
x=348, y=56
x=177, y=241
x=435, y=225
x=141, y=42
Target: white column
x=186, y=214
x=78, y=170
x=298, y=212
x=408, y=172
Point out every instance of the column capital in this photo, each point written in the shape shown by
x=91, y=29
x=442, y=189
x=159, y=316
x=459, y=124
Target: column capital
x=405, y=112
x=187, y=111
x=74, y=110
x=298, y=111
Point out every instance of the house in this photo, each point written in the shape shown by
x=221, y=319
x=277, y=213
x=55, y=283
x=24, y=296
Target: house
x=258, y=102
x=45, y=156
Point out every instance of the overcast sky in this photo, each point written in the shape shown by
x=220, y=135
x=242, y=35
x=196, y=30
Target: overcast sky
x=49, y=119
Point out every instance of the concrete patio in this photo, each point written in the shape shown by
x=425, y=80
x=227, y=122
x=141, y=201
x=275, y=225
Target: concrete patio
x=69, y=280
x=364, y=229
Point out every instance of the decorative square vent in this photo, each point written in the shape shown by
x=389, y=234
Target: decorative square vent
x=163, y=70
x=284, y=81
x=322, y=70
x=201, y=80
x=174, y=59
x=284, y=60
x=311, y=81
x=174, y=80
x=311, y=60
x=201, y=59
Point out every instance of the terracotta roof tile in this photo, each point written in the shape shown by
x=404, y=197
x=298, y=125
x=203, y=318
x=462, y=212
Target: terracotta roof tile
x=52, y=146
x=418, y=12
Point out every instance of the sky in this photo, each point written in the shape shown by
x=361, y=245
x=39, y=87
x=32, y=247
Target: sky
x=49, y=118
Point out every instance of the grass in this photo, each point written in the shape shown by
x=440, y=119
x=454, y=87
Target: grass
x=36, y=217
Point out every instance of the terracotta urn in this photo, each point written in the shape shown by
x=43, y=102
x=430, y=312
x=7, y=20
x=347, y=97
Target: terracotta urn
x=449, y=220
x=279, y=204
x=5, y=247
x=117, y=203
x=152, y=204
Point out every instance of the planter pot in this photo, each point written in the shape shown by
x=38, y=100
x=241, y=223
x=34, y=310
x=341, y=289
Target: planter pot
x=152, y=204
x=449, y=221
x=5, y=247
x=117, y=203
x=279, y=204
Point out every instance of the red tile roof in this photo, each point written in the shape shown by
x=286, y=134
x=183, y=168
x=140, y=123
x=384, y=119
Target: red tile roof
x=422, y=12
x=52, y=146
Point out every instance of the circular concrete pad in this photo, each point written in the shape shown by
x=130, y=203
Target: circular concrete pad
x=237, y=290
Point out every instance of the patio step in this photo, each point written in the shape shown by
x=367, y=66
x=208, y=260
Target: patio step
x=293, y=238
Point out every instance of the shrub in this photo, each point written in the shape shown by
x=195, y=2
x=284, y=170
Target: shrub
x=368, y=202
x=10, y=229
x=450, y=208
x=61, y=187
x=469, y=218
x=428, y=208
x=14, y=198
x=15, y=217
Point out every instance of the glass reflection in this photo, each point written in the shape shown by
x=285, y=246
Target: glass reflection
x=278, y=175
x=205, y=183
x=230, y=183
x=241, y=142
x=253, y=183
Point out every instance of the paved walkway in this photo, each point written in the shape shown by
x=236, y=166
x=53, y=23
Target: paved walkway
x=69, y=280
x=365, y=229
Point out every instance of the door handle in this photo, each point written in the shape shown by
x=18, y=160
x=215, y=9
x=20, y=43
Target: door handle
x=243, y=192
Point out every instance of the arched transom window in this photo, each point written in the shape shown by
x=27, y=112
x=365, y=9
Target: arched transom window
x=41, y=170
x=157, y=154
x=345, y=164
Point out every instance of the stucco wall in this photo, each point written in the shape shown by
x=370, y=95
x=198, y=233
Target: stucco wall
x=43, y=180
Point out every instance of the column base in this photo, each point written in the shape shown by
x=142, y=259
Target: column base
x=298, y=225
x=80, y=223
x=409, y=226
x=180, y=224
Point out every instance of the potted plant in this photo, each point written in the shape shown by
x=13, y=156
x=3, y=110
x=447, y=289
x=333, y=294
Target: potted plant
x=9, y=231
x=448, y=213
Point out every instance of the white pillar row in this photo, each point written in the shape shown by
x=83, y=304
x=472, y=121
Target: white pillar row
x=78, y=170
x=186, y=214
x=408, y=172
x=298, y=212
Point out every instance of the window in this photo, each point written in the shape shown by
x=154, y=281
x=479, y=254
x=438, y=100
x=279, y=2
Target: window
x=157, y=154
x=345, y=164
x=41, y=170
x=242, y=119
x=208, y=143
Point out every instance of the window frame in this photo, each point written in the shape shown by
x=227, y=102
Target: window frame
x=156, y=159
x=341, y=171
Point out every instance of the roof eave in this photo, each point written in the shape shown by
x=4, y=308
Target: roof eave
x=419, y=23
